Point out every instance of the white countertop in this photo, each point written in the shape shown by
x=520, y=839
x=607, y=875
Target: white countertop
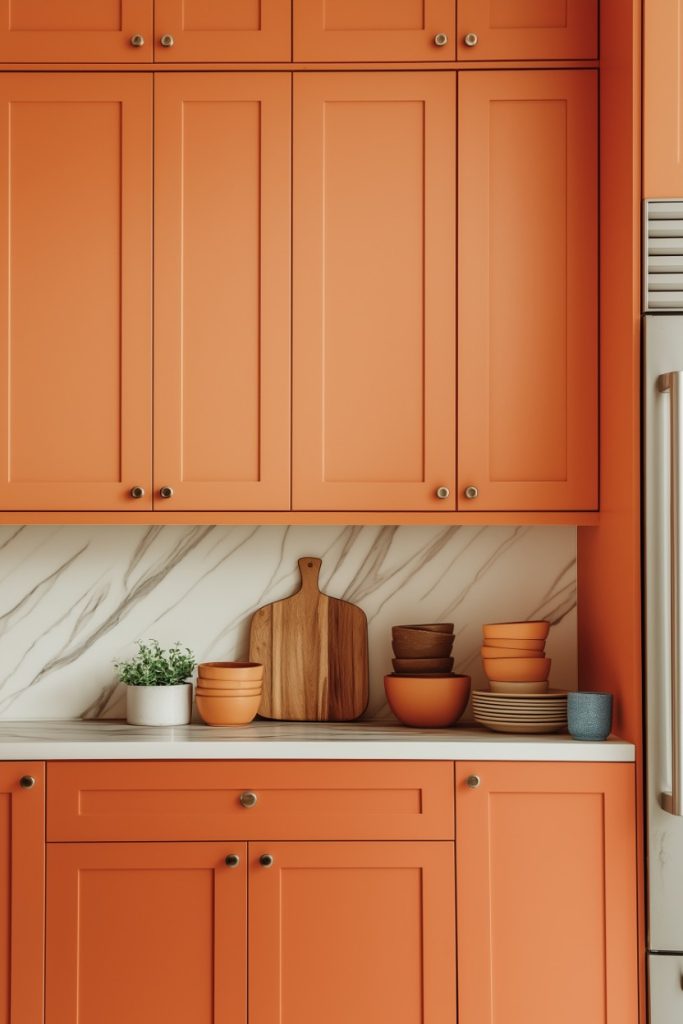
x=107, y=740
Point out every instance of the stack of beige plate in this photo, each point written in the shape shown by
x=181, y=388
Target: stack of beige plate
x=521, y=712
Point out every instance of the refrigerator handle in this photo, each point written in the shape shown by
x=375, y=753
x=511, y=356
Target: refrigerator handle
x=673, y=383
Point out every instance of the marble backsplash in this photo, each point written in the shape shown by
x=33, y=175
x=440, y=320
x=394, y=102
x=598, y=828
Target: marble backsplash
x=74, y=598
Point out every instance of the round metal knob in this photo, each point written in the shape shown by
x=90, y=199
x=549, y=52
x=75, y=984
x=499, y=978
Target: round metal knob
x=440, y=39
x=248, y=799
x=473, y=781
x=166, y=492
x=27, y=782
x=471, y=492
x=167, y=40
x=137, y=492
x=471, y=39
x=232, y=860
x=442, y=492
x=266, y=860
x=137, y=40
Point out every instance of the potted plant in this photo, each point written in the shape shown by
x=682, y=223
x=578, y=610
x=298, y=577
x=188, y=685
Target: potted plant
x=158, y=689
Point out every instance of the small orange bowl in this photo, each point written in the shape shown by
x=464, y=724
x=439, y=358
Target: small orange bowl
x=252, y=690
x=228, y=710
x=535, y=646
x=235, y=686
x=509, y=652
x=427, y=702
x=536, y=630
x=517, y=670
x=239, y=670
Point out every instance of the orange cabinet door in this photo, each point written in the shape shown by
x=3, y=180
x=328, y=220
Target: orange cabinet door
x=361, y=932
x=76, y=30
x=527, y=291
x=143, y=932
x=662, y=99
x=374, y=310
x=527, y=29
x=352, y=30
x=222, y=299
x=222, y=30
x=22, y=885
x=75, y=290
x=546, y=884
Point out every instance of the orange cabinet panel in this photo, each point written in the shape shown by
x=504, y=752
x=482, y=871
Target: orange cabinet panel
x=22, y=887
x=546, y=883
x=223, y=30
x=662, y=99
x=222, y=290
x=351, y=30
x=359, y=932
x=75, y=30
x=527, y=292
x=75, y=290
x=527, y=29
x=143, y=800
x=374, y=265
x=146, y=932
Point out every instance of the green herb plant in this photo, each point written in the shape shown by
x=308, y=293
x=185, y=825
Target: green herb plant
x=152, y=666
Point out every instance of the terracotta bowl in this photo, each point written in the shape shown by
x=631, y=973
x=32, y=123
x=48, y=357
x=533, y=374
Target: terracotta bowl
x=230, y=670
x=432, y=627
x=537, y=630
x=520, y=670
x=228, y=685
x=416, y=666
x=251, y=690
x=516, y=643
x=509, y=652
x=499, y=686
x=427, y=702
x=416, y=643
x=228, y=710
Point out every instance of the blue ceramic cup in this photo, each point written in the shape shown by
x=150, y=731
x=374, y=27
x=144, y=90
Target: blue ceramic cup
x=589, y=715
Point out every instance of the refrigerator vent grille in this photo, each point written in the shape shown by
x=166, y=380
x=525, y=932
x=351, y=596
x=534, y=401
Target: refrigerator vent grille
x=663, y=256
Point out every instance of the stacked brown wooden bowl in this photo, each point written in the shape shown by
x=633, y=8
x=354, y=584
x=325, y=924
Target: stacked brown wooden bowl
x=514, y=658
x=229, y=692
x=423, y=691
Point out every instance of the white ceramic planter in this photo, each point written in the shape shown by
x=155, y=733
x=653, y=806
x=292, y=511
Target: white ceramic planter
x=159, y=705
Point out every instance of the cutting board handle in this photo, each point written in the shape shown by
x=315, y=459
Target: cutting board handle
x=310, y=571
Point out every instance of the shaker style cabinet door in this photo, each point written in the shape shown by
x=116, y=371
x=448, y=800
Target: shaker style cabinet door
x=222, y=30
x=546, y=884
x=222, y=287
x=76, y=30
x=142, y=932
x=527, y=291
x=22, y=886
x=75, y=291
x=527, y=29
x=384, y=30
x=374, y=311
x=342, y=932
x=662, y=99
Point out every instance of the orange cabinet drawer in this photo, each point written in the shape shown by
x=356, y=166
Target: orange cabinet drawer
x=175, y=800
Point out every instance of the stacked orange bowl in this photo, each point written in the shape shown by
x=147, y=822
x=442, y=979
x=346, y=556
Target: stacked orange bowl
x=229, y=692
x=514, y=658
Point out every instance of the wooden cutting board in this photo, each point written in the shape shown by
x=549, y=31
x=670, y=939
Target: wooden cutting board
x=314, y=650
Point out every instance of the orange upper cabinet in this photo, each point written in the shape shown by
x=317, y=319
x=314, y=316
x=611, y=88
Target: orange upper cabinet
x=374, y=266
x=527, y=29
x=663, y=99
x=382, y=30
x=76, y=30
x=222, y=280
x=75, y=290
x=22, y=885
x=222, y=30
x=546, y=884
x=528, y=312
x=342, y=932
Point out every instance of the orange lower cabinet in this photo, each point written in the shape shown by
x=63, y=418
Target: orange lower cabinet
x=351, y=932
x=546, y=882
x=143, y=932
x=22, y=885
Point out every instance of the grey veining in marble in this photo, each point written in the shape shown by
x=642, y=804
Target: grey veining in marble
x=74, y=598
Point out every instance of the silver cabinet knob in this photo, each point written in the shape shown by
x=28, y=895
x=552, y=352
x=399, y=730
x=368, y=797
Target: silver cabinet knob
x=440, y=39
x=137, y=40
x=248, y=799
x=167, y=40
x=27, y=782
x=232, y=860
x=266, y=860
x=471, y=492
x=473, y=781
x=166, y=492
x=442, y=492
x=471, y=39
x=137, y=492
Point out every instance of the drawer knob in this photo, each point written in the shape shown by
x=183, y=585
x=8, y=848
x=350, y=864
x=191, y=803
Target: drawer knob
x=266, y=860
x=442, y=492
x=232, y=860
x=248, y=799
x=473, y=781
x=167, y=40
x=471, y=39
x=137, y=492
x=440, y=39
x=166, y=492
x=137, y=40
x=27, y=782
x=471, y=492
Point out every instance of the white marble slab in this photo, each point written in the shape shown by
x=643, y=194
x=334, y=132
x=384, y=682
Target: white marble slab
x=44, y=741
